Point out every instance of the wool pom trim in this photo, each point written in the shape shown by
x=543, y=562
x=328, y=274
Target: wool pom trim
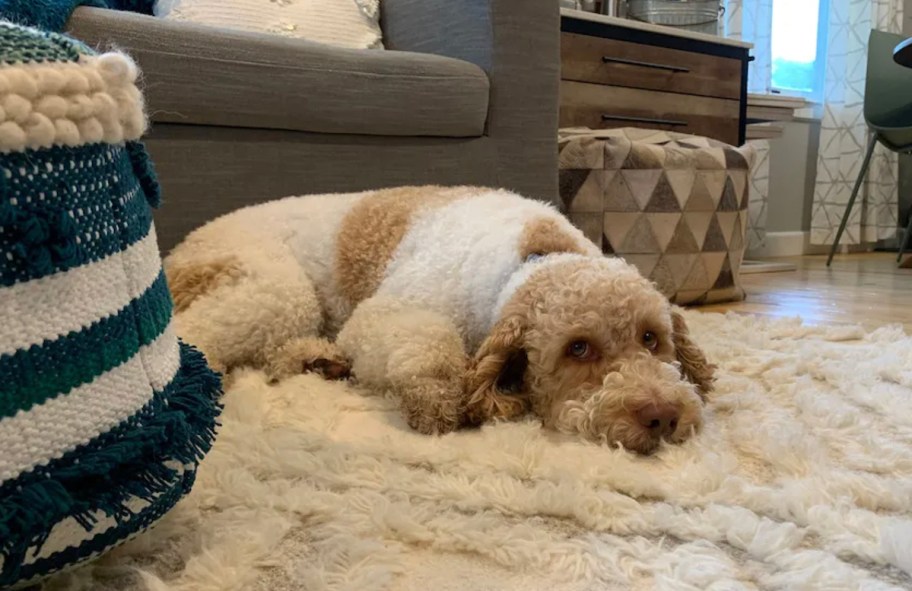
x=70, y=103
x=150, y=456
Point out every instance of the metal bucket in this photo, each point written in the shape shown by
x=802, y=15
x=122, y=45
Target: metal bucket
x=677, y=13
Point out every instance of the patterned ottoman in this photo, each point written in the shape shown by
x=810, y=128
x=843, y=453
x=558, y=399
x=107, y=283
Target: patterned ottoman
x=674, y=205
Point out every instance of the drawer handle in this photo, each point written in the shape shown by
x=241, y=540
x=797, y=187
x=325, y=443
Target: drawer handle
x=618, y=60
x=671, y=122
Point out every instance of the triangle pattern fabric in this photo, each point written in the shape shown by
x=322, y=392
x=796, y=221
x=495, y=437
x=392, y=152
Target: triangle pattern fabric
x=644, y=263
x=590, y=224
x=725, y=279
x=589, y=196
x=663, y=227
x=616, y=226
x=727, y=224
x=615, y=151
x=713, y=262
x=715, y=239
x=644, y=156
x=729, y=201
x=639, y=239
x=617, y=196
x=682, y=182
x=570, y=183
x=715, y=183
x=642, y=183
x=697, y=278
x=734, y=159
x=735, y=258
x=584, y=153
x=678, y=158
x=737, y=241
x=664, y=278
x=698, y=222
x=739, y=182
x=693, y=297
x=663, y=197
x=680, y=266
x=700, y=199
x=683, y=240
x=711, y=158
x=674, y=206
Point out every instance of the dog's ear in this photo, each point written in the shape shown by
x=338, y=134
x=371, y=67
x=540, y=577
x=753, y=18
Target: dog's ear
x=694, y=365
x=496, y=380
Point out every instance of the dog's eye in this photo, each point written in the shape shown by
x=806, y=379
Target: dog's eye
x=650, y=340
x=581, y=350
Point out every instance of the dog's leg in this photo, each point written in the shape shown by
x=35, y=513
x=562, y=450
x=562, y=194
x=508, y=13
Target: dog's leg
x=308, y=355
x=416, y=353
x=267, y=315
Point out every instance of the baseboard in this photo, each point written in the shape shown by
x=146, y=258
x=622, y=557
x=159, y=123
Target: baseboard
x=793, y=244
x=782, y=244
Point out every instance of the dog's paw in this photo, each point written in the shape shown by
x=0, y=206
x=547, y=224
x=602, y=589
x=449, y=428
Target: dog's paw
x=308, y=355
x=330, y=369
x=432, y=406
x=429, y=425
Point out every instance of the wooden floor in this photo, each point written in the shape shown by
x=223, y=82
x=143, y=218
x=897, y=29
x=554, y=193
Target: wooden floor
x=867, y=289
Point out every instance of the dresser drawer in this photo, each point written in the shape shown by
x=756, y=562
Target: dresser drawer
x=600, y=107
x=585, y=58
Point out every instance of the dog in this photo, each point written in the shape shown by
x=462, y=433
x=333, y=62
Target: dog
x=471, y=304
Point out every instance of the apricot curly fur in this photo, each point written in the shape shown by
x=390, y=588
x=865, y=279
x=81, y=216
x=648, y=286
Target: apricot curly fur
x=427, y=293
x=189, y=282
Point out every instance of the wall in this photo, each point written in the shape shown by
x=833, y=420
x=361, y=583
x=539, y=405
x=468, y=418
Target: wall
x=793, y=167
x=792, y=174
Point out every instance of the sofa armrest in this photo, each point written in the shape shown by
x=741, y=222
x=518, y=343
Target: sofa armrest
x=517, y=42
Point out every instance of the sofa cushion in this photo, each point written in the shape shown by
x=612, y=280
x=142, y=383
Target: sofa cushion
x=202, y=75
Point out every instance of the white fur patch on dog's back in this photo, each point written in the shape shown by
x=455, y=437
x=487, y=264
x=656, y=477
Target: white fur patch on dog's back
x=456, y=259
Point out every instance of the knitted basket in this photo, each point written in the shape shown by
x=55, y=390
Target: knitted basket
x=104, y=415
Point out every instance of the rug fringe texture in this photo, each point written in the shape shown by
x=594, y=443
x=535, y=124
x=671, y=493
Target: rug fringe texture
x=110, y=473
x=802, y=479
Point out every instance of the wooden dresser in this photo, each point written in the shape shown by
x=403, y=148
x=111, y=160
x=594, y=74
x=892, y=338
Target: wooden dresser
x=622, y=73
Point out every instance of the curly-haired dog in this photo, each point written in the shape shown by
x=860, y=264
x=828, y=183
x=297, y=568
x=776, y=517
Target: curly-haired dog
x=470, y=303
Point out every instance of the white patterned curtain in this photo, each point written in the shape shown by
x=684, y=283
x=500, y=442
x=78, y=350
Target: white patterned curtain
x=752, y=21
x=844, y=135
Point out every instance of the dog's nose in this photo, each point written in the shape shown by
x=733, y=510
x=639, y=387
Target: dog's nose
x=660, y=418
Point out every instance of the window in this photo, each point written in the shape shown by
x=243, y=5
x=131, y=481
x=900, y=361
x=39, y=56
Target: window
x=799, y=47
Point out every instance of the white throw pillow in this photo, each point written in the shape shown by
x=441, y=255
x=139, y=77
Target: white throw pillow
x=345, y=23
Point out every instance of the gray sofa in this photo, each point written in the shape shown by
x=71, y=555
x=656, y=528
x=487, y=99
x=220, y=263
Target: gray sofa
x=467, y=93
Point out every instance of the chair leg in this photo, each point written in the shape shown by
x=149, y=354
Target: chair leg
x=858, y=182
x=907, y=239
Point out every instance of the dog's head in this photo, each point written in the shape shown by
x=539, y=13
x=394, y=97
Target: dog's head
x=591, y=347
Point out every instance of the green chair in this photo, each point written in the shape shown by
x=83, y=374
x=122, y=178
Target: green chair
x=888, y=113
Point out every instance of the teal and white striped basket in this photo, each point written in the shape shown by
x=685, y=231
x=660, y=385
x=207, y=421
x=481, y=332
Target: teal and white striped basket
x=104, y=414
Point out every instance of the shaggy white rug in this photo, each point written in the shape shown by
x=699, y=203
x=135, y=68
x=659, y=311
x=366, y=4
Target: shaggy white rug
x=801, y=480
